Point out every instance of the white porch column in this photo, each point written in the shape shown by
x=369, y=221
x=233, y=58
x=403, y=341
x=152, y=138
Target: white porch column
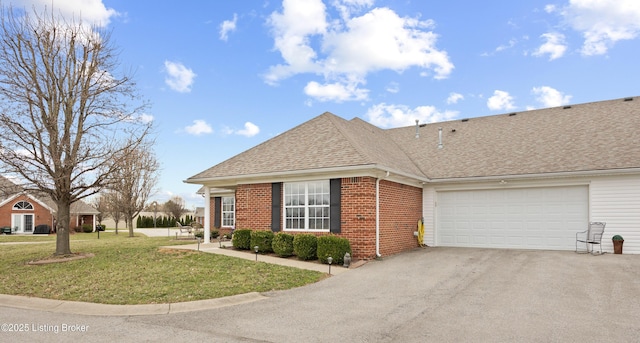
x=207, y=215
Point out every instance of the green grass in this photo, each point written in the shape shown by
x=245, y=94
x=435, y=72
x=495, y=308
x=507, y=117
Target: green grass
x=135, y=271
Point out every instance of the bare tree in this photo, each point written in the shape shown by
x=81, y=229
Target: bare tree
x=174, y=207
x=134, y=181
x=66, y=113
x=114, y=207
x=100, y=204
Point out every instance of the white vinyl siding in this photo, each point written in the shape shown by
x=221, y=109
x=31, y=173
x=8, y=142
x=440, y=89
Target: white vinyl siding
x=616, y=201
x=428, y=213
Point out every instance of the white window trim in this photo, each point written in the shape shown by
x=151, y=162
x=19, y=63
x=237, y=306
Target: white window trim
x=24, y=208
x=222, y=212
x=20, y=227
x=306, y=207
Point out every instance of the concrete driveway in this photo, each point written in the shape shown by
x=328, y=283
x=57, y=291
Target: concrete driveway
x=427, y=295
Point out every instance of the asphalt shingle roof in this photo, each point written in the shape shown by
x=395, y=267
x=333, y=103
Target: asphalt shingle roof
x=593, y=136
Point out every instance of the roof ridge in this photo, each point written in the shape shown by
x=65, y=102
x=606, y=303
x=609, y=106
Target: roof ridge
x=352, y=142
x=379, y=132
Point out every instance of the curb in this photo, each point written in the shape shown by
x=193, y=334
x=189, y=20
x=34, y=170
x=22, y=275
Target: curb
x=93, y=309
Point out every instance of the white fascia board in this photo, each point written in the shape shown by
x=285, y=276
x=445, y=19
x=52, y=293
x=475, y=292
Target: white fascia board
x=626, y=171
x=372, y=170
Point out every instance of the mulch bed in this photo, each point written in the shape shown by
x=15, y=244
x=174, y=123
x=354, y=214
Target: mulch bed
x=60, y=259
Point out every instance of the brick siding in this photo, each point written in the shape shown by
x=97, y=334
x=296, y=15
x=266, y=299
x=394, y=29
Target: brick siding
x=400, y=209
x=41, y=215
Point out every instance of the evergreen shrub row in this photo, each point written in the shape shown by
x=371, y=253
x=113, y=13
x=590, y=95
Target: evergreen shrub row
x=305, y=246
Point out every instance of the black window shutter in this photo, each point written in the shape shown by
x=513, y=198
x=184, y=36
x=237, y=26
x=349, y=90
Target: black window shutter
x=334, y=205
x=276, y=201
x=217, y=212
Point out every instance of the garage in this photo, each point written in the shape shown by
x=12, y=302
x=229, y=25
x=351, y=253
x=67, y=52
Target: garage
x=519, y=218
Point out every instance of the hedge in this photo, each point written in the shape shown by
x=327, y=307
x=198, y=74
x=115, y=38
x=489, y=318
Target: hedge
x=282, y=244
x=262, y=239
x=333, y=246
x=242, y=239
x=305, y=246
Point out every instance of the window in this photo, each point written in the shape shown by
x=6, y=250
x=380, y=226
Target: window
x=22, y=223
x=23, y=205
x=306, y=206
x=228, y=211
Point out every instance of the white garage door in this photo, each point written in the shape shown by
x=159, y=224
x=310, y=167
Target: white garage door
x=527, y=218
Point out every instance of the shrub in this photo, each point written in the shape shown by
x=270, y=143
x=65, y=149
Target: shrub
x=215, y=233
x=305, y=246
x=199, y=234
x=87, y=228
x=242, y=239
x=282, y=244
x=333, y=246
x=262, y=239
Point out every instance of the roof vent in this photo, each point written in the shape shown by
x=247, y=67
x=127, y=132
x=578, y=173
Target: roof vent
x=566, y=107
x=628, y=99
x=512, y=114
x=465, y=120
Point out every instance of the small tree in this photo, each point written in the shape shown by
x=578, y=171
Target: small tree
x=100, y=204
x=134, y=181
x=114, y=207
x=174, y=207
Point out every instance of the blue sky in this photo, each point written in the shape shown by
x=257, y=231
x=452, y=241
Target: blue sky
x=224, y=76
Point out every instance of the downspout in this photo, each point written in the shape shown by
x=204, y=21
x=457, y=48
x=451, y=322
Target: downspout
x=378, y=214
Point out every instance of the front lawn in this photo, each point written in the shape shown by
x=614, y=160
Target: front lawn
x=135, y=271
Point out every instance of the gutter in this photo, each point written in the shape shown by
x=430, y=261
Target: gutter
x=550, y=175
x=378, y=214
x=357, y=170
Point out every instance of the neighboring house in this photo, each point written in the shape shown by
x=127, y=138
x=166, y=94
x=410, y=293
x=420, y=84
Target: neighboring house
x=525, y=180
x=22, y=211
x=198, y=215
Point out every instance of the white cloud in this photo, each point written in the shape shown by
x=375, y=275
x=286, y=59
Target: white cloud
x=198, y=128
x=550, y=97
x=350, y=48
x=250, y=130
x=454, y=98
x=603, y=23
x=179, y=78
x=90, y=12
x=347, y=7
x=393, y=87
x=146, y=118
x=554, y=46
x=511, y=44
x=387, y=116
x=500, y=100
x=337, y=92
x=228, y=26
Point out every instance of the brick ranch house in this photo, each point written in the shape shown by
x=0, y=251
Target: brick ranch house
x=22, y=211
x=525, y=180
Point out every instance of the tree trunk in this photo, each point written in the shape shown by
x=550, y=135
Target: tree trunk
x=62, y=234
x=130, y=225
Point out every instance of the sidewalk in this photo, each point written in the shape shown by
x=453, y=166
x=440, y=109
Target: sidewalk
x=214, y=248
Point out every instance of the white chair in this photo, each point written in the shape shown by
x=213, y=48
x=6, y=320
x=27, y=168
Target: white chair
x=593, y=236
